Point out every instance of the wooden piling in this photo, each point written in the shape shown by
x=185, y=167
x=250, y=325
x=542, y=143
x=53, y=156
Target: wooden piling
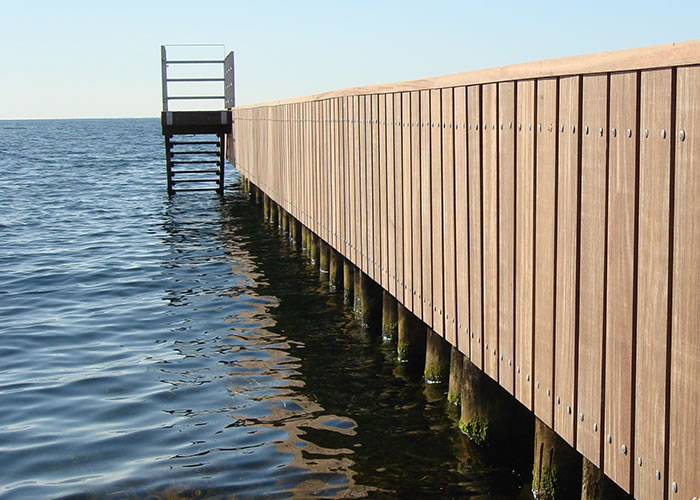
x=357, y=303
x=314, y=248
x=390, y=324
x=454, y=390
x=555, y=465
x=335, y=273
x=266, y=207
x=437, y=358
x=348, y=283
x=370, y=309
x=410, y=345
x=323, y=259
x=273, y=213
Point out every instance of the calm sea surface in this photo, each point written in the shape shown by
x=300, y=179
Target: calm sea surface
x=155, y=347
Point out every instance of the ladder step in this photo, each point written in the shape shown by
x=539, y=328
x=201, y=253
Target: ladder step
x=212, y=171
x=178, y=143
x=190, y=162
x=173, y=153
x=195, y=189
x=194, y=180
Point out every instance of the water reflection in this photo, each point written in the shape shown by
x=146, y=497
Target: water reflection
x=270, y=416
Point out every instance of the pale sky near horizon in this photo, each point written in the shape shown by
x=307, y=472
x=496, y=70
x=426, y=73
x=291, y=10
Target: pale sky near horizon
x=81, y=59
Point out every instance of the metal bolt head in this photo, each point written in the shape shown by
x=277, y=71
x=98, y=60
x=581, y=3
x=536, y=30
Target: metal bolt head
x=658, y=475
x=674, y=487
x=682, y=135
x=510, y=124
x=586, y=130
x=549, y=392
x=520, y=126
x=527, y=377
x=595, y=427
x=663, y=133
x=573, y=129
x=609, y=439
x=539, y=127
x=600, y=131
x=550, y=127
x=580, y=416
x=614, y=132
x=558, y=400
x=646, y=133
x=623, y=449
x=568, y=410
x=639, y=461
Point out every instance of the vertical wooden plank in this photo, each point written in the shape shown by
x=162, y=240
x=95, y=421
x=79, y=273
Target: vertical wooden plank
x=376, y=220
x=417, y=306
x=426, y=210
x=651, y=395
x=448, y=216
x=475, y=223
x=592, y=275
x=461, y=220
x=362, y=183
x=489, y=111
x=407, y=281
x=352, y=169
x=436, y=171
x=398, y=195
x=333, y=229
x=684, y=402
x=545, y=189
x=620, y=279
x=383, y=193
x=369, y=186
x=567, y=251
x=524, y=240
x=390, y=198
x=506, y=233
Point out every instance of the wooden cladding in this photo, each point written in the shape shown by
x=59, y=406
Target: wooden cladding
x=547, y=228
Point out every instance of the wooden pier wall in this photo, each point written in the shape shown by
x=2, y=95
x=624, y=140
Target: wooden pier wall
x=544, y=218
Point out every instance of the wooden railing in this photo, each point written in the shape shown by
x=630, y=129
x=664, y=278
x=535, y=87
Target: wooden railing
x=544, y=218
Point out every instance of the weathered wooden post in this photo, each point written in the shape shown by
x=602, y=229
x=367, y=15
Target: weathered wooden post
x=357, y=304
x=315, y=243
x=273, y=212
x=336, y=270
x=348, y=283
x=285, y=221
x=323, y=259
x=454, y=389
x=474, y=418
x=437, y=358
x=266, y=207
x=390, y=325
x=554, y=464
x=370, y=309
x=410, y=346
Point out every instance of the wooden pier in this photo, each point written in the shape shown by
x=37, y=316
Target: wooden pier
x=542, y=218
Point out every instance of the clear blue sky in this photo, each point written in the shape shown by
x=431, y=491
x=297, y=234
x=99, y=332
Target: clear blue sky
x=63, y=59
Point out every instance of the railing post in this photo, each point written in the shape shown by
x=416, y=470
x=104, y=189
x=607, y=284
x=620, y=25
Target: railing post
x=164, y=76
